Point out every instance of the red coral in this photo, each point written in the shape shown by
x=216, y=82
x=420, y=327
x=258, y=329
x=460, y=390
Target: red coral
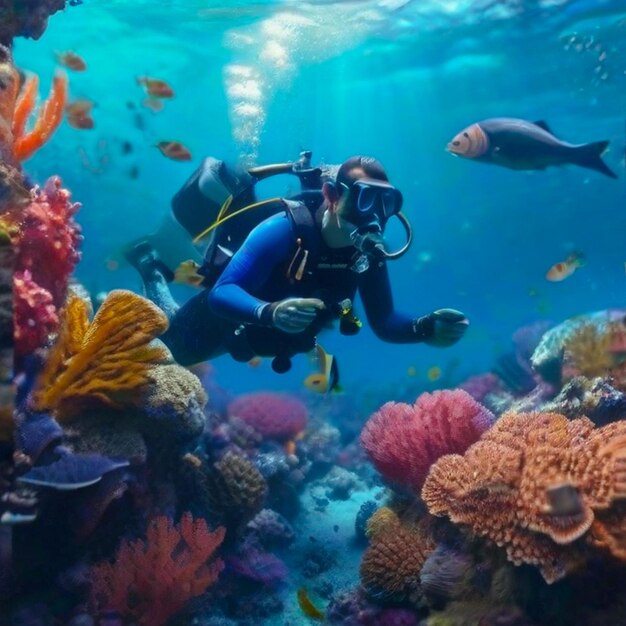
x=404, y=440
x=275, y=415
x=46, y=255
x=35, y=315
x=150, y=581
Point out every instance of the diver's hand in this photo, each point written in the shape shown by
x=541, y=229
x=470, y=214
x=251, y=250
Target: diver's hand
x=293, y=315
x=449, y=325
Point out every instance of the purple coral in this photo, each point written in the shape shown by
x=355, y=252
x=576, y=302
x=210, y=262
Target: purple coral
x=271, y=529
x=262, y=567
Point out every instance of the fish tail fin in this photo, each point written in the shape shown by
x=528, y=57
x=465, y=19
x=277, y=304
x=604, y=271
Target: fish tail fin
x=589, y=155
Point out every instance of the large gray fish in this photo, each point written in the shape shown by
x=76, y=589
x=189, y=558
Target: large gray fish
x=522, y=145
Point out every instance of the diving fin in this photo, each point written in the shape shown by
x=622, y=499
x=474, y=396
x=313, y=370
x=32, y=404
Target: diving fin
x=544, y=126
x=590, y=156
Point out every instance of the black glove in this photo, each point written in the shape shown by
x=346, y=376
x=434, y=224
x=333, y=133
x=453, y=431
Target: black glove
x=446, y=326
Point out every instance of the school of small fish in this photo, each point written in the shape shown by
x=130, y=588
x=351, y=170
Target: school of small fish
x=79, y=112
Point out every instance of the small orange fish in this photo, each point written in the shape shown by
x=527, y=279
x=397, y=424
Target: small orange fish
x=174, y=150
x=81, y=122
x=155, y=87
x=255, y=362
x=79, y=107
x=307, y=607
x=411, y=371
x=154, y=104
x=71, y=60
x=564, y=269
x=112, y=265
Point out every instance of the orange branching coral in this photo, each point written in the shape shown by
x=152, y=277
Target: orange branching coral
x=536, y=484
x=150, y=581
x=16, y=143
x=105, y=362
x=392, y=562
x=25, y=144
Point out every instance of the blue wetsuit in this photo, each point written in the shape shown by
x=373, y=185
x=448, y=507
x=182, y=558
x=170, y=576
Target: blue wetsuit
x=234, y=317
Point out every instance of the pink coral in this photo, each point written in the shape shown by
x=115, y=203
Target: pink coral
x=274, y=415
x=35, y=313
x=46, y=255
x=404, y=440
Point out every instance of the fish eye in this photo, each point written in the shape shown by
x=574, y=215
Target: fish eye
x=465, y=135
x=456, y=143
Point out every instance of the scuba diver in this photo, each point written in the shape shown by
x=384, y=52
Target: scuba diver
x=295, y=272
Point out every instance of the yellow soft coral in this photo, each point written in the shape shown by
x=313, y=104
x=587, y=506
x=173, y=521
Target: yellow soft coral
x=545, y=488
x=105, y=362
x=588, y=351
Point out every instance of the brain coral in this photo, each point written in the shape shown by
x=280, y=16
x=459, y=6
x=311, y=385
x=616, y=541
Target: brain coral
x=541, y=486
x=274, y=415
x=404, y=440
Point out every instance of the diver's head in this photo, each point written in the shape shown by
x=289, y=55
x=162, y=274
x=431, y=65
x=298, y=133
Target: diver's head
x=361, y=201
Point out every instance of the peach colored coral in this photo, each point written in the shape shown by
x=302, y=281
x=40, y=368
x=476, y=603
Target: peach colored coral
x=150, y=581
x=539, y=485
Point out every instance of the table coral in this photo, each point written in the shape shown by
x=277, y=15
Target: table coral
x=404, y=440
x=150, y=581
x=274, y=415
x=543, y=487
x=105, y=362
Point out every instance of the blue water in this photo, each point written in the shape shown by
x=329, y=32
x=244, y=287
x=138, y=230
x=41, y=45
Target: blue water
x=394, y=79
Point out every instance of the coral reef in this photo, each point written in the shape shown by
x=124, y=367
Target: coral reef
x=274, y=415
x=27, y=18
x=270, y=529
x=547, y=357
x=595, y=399
x=46, y=239
x=543, y=487
x=104, y=363
x=392, y=562
x=403, y=441
x=150, y=581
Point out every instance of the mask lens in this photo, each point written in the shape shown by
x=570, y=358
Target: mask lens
x=392, y=202
x=367, y=199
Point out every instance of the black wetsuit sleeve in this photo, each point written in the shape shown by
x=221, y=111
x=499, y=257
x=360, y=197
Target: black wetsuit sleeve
x=388, y=324
x=267, y=246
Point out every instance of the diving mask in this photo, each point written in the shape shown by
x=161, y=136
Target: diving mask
x=372, y=203
x=371, y=198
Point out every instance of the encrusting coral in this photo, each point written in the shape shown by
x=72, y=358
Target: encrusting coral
x=404, y=440
x=150, y=581
x=105, y=362
x=545, y=488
